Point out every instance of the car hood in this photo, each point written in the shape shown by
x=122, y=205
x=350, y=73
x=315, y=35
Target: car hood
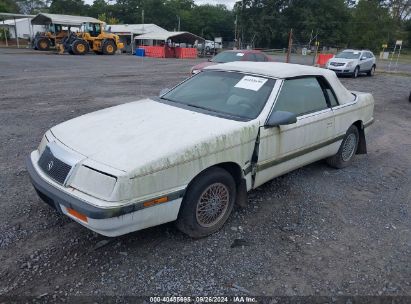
x=202, y=65
x=147, y=136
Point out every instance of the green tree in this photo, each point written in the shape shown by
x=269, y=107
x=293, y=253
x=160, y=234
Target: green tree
x=371, y=25
x=31, y=6
x=9, y=6
x=69, y=7
x=327, y=18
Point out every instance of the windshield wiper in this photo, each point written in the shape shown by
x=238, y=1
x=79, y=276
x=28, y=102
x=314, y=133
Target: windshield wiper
x=200, y=107
x=168, y=99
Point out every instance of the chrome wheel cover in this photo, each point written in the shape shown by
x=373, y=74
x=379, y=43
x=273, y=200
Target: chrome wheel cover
x=348, y=148
x=212, y=205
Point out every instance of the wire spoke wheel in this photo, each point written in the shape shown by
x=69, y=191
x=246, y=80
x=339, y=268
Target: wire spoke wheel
x=349, y=146
x=212, y=205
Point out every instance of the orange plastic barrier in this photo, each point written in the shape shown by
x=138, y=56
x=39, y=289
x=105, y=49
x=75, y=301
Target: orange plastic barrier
x=186, y=53
x=166, y=52
x=323, y=58
x=153, y=51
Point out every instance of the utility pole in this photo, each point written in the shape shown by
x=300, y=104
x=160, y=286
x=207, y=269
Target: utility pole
x=178, y=18
x=290, y=44
x=235, y=30
x=316, y=48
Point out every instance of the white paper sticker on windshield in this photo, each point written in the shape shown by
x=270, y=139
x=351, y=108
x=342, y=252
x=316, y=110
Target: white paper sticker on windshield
x=240, y=54
x=251, y=83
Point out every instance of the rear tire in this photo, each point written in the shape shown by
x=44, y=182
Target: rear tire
x=109, y=47
x=347, y=150
x=43, y=44
x=207, y=203
x=371, y=72
x=79, y=47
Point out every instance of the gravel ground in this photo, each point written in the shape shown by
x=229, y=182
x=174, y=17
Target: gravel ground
x=315, y=231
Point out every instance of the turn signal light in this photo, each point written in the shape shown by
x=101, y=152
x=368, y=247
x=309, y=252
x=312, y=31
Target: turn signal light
x=156, y=201
x=77, y=214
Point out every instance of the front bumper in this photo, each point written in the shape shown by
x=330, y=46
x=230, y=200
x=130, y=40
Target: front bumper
x=110, y=221
x=341, y=70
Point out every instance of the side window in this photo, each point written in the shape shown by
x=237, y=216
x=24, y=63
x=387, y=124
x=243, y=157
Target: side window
x=301, y=96
x=331, y=96
x=251, y=57
x=260, y=57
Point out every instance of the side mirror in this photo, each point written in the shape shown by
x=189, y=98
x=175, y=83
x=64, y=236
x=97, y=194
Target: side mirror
x=280, y=118
x=363, y=57
x=163, y=92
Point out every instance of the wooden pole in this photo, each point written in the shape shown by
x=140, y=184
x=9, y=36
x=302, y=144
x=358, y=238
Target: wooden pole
x=290, y=44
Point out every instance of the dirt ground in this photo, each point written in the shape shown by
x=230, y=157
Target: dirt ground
x=315, y=231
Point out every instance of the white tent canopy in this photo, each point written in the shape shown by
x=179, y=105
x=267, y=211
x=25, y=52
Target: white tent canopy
x=44, y=19
x=135, y=29
x=177, y=37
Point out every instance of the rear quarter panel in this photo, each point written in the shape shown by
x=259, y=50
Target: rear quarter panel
x=361, y=109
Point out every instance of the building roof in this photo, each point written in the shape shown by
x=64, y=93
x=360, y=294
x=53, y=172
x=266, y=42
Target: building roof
x=16, y=16
x=11, y=21
x=44, y=19
x=137, y=29
x=286, y=70
x=177, y=37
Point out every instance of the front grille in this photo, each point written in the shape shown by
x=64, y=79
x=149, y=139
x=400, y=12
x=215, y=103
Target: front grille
x=337, y=64
x=53, y=167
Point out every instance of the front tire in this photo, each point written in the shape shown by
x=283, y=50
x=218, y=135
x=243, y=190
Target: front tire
x=348, y=148
x=207, y=203
x=356, y=72
x=109, y=47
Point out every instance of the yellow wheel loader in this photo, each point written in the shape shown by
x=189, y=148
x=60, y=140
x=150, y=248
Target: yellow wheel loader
x=92, y=38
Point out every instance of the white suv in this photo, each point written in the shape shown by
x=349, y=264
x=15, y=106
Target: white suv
x=352, y=62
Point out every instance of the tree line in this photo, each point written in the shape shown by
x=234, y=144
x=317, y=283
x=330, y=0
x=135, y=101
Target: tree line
x=259, y=23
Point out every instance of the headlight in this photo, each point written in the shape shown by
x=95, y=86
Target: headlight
x=350, y=64
x=93, y=182
x=195, y=72
x=43, y=144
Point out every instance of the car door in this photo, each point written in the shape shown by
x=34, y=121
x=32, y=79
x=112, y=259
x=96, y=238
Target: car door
x=364, y=62
x=285, y=148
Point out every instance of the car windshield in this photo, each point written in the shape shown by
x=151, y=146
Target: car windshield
x=227, y=57
x=348, y=55
x=227, y=93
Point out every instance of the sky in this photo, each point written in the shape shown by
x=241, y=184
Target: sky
x=228, y=3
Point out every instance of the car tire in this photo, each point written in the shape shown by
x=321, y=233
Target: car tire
x=356, y=72
x=347, y=150
x=200, y=213
x=372, y=71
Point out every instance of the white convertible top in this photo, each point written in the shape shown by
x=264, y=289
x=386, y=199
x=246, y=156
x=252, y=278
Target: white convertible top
x=287, y=70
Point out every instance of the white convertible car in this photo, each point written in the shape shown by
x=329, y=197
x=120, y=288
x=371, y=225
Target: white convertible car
x=192, y=153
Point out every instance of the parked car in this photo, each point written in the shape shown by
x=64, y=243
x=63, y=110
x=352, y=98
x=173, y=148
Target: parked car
x=230, y=56
x=353, y=62
x=192, y=153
